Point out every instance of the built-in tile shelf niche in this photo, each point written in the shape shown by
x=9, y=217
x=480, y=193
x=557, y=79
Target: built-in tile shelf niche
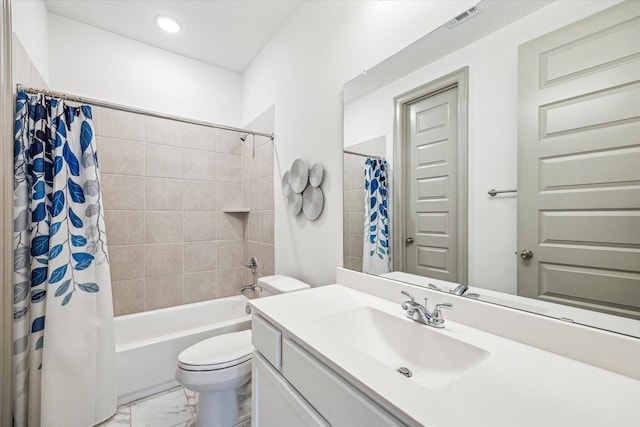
x=236, y=210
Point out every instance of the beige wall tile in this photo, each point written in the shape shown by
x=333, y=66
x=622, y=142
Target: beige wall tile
x=163, y=259
x=95, y=111
x=346, y=247
x=163, y=131
x=230, y=255
x=199, y=226
x=126, y=262
x=268, y=258
x=163, y=161
x=357, y=245
x=164, y=227
x=199, y=286
x=265, y=160
x=164, y=291
x=163, y=194
x=121, y=157
x=357, y=177
x=252, y=193
x=199, y=195
x=229, y=142
x=128, y=296
x=247, y=147
x=265, y=191
x=356, y=200
x=121, y=125
x=192, y=251
x=229, y=168
x=122, y=192
x=199, y=256
x=346, y=223
x=251, y=225
x=229, y=282
x=228, y=195
x=356, y=220
x=246, y=201
x=200, y=165
x=124, y=227
x=251, y=166
x=266, y=226
x=199, y=137
x=229, y=226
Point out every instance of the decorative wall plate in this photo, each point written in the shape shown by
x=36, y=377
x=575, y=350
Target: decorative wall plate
x=315, y=175
x=312, y=202
x=286, y=186
x=294, y=203
x=299, y=175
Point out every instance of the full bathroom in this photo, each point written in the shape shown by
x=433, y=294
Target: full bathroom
x=220, y=266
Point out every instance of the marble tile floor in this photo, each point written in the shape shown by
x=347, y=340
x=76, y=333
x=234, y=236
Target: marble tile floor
x=171, y=408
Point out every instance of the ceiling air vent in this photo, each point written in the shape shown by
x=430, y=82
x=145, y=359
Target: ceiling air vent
x=463, y=17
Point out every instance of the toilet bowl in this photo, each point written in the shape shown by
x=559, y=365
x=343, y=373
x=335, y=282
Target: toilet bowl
x=218, y=367
x=215, y=368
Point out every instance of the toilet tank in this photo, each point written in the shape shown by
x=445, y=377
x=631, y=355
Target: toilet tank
x=279, y=284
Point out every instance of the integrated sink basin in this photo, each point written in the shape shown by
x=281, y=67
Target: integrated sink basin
x=421, y=353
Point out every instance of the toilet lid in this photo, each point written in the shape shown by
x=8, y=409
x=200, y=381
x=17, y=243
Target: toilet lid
x=218, y=352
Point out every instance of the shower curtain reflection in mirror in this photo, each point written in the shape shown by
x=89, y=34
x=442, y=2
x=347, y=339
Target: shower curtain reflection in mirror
x=63, y=346
x=377, y=250
x=367, y=227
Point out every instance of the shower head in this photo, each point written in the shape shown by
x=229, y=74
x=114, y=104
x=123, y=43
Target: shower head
x=244, y=137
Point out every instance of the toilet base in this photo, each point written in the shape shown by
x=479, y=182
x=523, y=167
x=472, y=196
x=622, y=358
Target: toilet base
x=217, y=409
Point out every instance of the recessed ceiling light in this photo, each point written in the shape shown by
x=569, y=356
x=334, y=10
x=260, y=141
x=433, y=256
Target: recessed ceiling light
x=168, y=24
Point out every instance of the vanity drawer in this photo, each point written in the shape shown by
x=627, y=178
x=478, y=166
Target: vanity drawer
x=267, y=339
x=338, y=402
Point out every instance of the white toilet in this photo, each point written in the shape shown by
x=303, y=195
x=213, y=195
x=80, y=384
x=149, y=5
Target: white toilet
x=218, y=367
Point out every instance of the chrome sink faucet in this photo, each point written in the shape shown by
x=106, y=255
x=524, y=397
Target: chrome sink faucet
x=420, y=313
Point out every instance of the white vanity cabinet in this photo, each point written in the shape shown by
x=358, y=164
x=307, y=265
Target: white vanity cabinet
x=293, y=388
x=275, y=402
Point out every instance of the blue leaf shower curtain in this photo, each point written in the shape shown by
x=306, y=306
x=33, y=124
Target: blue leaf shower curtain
x=63, y=344
x=376, y=257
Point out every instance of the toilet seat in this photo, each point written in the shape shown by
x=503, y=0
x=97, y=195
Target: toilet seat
x=219, y=352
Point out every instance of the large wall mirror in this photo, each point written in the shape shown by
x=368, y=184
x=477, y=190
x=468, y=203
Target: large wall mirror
x=453, y=116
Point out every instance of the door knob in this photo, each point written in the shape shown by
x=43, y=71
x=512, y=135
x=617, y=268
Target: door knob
x=526, y=254
x=409, y=241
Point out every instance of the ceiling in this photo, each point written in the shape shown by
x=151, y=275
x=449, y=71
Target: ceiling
x=224, y=33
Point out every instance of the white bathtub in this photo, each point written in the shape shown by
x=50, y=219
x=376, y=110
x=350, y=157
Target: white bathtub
x=148, y=343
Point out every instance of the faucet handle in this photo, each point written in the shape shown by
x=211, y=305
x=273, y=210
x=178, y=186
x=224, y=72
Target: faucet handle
x=437, y=314
x=413, y=299
x=406, y=304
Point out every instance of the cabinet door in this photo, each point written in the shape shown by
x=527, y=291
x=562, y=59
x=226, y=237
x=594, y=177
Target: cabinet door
x=275, y=402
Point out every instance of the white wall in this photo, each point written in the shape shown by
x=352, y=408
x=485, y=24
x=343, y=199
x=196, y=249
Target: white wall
x=91, y=62
x=29, y=21
x=301, y=71
x=493, y=108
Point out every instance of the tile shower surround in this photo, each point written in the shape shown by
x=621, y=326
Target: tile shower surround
x=165, y=184
x=353, y=234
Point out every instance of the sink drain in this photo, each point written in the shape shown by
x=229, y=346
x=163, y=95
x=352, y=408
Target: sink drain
x=405, y=371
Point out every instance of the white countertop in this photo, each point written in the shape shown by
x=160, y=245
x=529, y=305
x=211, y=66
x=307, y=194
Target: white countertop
x=517, y=385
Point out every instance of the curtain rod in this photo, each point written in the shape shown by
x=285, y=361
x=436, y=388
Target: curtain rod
x=362, y=155
x=121, y=107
